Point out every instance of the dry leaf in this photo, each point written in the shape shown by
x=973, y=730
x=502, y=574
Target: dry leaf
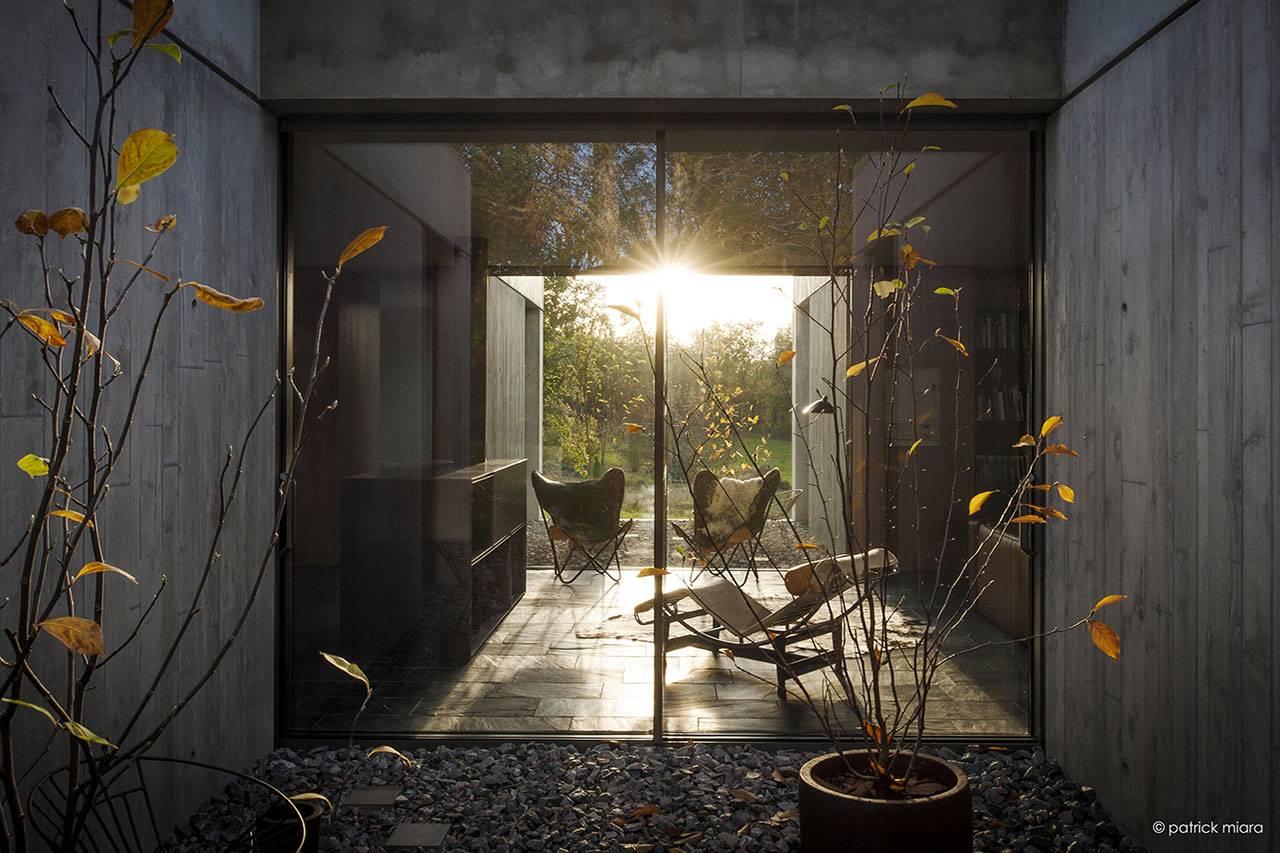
x=976, y=502
x=390, y=750
x=349, y=668
x=149, y=18
x=1066, y=493
x=959, y=346
x=32, y=222
x=79, y=635
x=95, y=568
x=42, y=329
x=929, y=99
x=69, y=220
x=861, y=366
x=146, y=153
x=1110, y=599
x=744, y=795
x=218, y=299
x=77, y=517
x=1028, y=519
x=651, y=572
x=1104, y=638
x=1050, y=425
x=363, y=241
x=786, y=356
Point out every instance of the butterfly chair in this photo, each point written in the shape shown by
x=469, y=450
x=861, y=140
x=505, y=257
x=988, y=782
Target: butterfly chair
x=584, y=518
x=721, y=616
x=728, y=519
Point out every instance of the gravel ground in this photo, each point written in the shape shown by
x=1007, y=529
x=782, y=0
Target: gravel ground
x=548, y=797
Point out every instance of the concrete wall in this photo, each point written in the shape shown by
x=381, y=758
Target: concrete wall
x=325, y=51
x=1162, y=355
x=212, y=370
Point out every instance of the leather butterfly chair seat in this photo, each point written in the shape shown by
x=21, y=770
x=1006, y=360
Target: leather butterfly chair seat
x=583, y=521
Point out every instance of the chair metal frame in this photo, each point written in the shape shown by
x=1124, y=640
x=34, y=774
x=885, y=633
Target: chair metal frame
x=754, y=632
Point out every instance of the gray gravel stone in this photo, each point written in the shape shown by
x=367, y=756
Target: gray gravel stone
x=550, y=797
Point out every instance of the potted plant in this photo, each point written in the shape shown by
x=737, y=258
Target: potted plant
x=881, y=327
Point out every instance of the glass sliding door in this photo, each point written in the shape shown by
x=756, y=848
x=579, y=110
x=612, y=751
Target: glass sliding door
x=773, y=232
x=469, y=349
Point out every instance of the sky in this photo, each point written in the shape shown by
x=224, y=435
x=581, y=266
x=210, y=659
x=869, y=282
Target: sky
x=694, y=301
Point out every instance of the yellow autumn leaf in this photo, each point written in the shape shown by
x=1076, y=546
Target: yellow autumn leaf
x=976, y=502
x=32, y=222
x=42, y=329
x=1110, y=599
x=1050, y=425
x=861, y=366
x=959, y=346
x=146, y=153
x=44, y=711
x=218, y=299
x=34, y=466
x=77, y=517
x=58, y=315
x=633, y=427
x=162, y=224
x=1066, y=493
x=914, y=445
x=651, y=572
x=312, y=795
x=929, y=99
x=349, y=668
x=96, y=568
x=1026, y=441
x=84, y=734
x=1060, y=449
x=69, y=220
x=364, y=240
x=882, y=232
x=149, y=18
x=885, y=289
x=909, y=168
x=1028, y=519
x=79, y=635
x=390, y=750
x=786, y=356
x=808, y=546
x=1105, y=638
x=163, y=278
x=1051, y=512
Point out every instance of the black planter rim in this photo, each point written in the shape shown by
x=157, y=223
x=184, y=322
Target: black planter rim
x=939, y=769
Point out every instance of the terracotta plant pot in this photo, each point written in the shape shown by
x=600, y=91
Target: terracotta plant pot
x=277, y=829
x=830, y=820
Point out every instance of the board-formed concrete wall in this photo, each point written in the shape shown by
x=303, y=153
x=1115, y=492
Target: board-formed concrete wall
x=1162, y=354
x=567, y=50
x=213, y=369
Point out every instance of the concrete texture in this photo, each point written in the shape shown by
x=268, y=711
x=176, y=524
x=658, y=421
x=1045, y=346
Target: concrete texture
x=1096, y=31
x=1004, y=50
x=211, y=372
x=1162, y=229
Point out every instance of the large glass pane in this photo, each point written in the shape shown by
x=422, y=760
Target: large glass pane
x=460, y=347
x=910, y=448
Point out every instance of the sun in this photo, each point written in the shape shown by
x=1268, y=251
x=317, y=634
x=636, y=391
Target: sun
x=694, y=300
